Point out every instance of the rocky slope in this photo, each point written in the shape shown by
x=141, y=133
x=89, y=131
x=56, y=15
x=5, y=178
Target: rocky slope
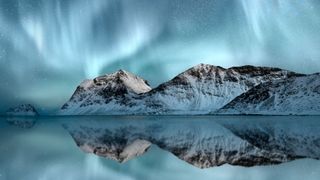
x=291, y=96
x=204, y=88
x=108, y=94
x=22, y=110
x=205, y=144
x=198, y=90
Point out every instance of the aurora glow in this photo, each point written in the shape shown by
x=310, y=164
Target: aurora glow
x=48, y=47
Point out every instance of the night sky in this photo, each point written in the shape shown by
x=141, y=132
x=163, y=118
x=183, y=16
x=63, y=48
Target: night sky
x=47, y=47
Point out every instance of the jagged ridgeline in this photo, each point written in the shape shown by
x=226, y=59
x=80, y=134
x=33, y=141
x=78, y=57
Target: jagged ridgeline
x=202, y=89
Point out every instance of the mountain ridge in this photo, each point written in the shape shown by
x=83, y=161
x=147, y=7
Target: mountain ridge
x=201, y=89
x=291, y=96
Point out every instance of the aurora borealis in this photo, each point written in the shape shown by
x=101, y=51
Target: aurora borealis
x=48, y=47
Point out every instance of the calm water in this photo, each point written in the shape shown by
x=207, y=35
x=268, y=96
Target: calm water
x=44, y=149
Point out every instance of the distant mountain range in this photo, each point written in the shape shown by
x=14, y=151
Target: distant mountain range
x=22, y=110
x=202, y=89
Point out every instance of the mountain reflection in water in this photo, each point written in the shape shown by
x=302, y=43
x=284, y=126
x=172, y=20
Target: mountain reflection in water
x=45, y=150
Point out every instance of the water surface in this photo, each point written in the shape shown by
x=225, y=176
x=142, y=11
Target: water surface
x=45, y=148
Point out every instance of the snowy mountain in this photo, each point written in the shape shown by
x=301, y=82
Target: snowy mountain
x=295, y=95
x=22, y=110
x=206, y=144
x=108, y=94
x=199, y=90
x=204, y=88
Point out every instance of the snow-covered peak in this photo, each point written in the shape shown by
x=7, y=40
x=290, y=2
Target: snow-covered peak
x=86, y=84
x=202, y=71
x=135, y=83
x=293, y=95
x=204, y=88
x=105, y=89
x=217, y=74
x=117, y=79
x=22, y=110
x=208, y=69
